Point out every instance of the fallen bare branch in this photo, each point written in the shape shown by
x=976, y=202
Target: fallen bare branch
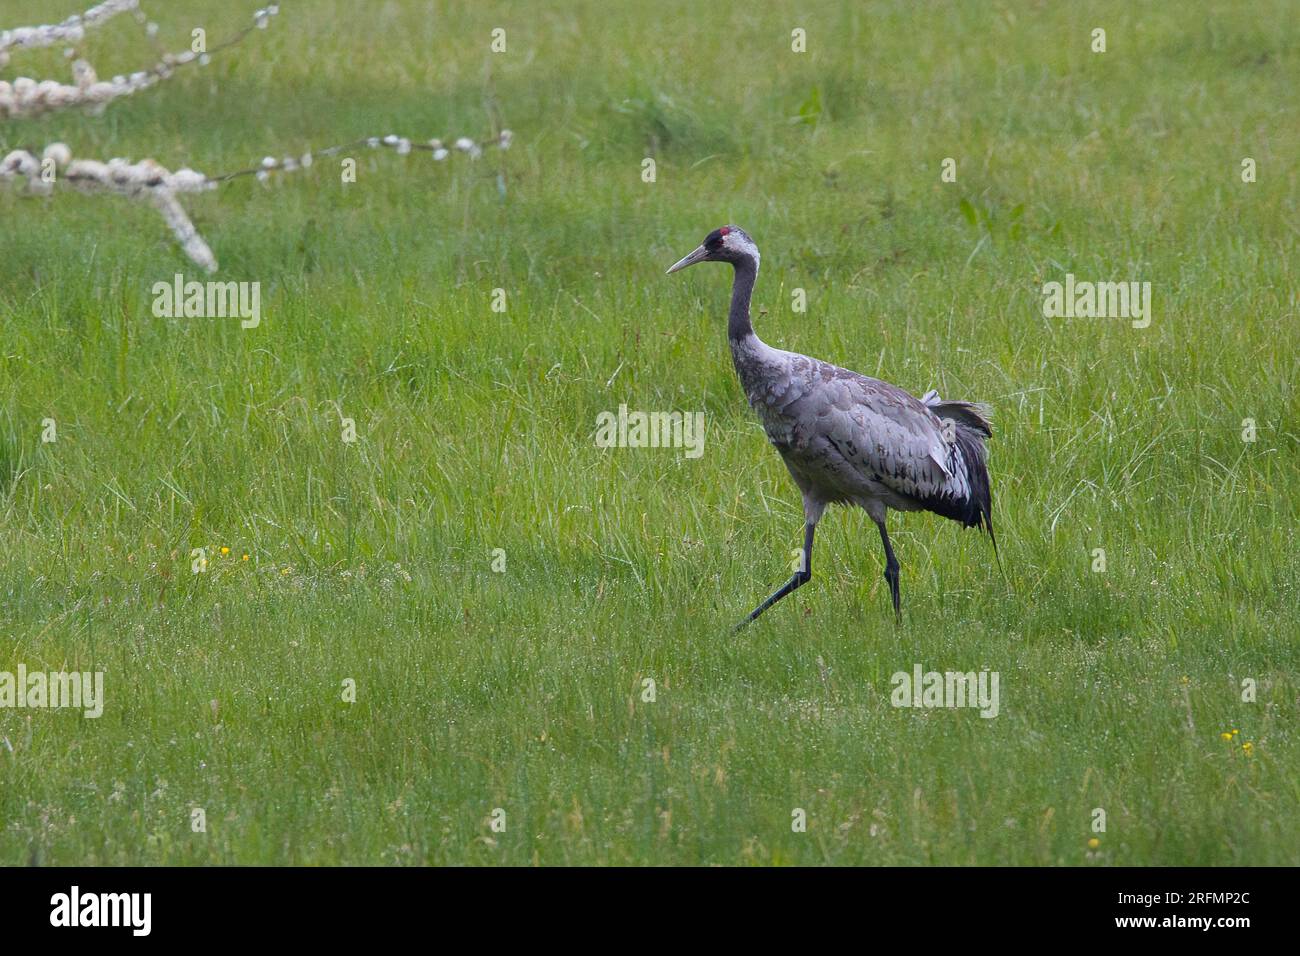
x=147, y=180
x=71, y=30
x=26, y=97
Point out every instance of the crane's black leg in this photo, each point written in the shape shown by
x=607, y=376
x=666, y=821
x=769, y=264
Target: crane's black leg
x=800, y=578
x=891, y=571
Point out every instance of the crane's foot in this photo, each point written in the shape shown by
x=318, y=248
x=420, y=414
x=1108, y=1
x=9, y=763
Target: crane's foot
x=799, y=579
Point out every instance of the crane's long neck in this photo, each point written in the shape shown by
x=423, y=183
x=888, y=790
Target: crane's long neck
x=738, y=325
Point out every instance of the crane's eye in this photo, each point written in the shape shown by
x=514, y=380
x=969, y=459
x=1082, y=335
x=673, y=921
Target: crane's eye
x=714, y=239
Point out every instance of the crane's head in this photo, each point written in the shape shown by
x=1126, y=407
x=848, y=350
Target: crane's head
x=727, y=244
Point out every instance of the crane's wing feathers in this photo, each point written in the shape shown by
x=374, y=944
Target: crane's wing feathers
x=884, y=433
x=880, y=433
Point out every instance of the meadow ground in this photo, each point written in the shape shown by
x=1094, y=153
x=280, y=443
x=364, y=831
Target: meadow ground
x=524, y=689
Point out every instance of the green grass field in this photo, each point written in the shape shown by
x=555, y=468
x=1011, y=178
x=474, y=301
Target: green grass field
x=522, y=689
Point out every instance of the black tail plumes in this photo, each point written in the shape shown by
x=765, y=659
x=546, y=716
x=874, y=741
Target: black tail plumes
x=980, y=513
x=971, y=427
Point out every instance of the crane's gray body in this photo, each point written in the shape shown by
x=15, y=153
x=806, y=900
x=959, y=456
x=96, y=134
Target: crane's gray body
x=850, y=439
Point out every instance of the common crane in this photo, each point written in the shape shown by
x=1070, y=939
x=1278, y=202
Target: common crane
x=849, y=439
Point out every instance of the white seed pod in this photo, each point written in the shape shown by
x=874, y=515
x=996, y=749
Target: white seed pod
x=20, y=162
x=189, y=181
x=59, y=153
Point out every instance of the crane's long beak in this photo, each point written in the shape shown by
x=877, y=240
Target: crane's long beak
x=699, y=255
